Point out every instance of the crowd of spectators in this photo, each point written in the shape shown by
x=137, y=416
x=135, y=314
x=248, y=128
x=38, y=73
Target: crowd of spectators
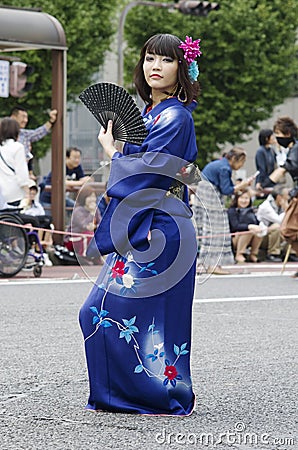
x=236, y=221
x=255, y=208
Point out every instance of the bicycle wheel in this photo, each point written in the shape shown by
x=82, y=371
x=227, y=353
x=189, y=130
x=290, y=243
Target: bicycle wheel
x=13, y=245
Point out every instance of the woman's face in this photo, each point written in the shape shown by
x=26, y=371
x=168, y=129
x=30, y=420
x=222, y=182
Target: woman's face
x=243, y=201
x=90, y=202
x=272, y=140
x=160, y=72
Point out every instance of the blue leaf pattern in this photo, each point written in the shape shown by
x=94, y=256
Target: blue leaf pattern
x=128, y=329
x=94, y=309
x=139, y=368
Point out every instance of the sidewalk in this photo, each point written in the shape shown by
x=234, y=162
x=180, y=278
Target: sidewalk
x=86, y=272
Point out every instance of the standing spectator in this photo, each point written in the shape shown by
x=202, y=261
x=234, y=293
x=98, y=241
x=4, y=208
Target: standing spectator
x=265, y=159
x=211, y=215
x=26, y=137
x=286, y=132
x=14, y=175
x=242, y=218
x=75, y=177
x=3, y=204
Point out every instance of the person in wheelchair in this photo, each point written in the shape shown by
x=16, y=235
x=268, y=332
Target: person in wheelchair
x=33, y=212
x=32, y=207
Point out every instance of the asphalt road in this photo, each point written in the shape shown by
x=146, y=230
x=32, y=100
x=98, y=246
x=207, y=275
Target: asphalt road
x=244, y=368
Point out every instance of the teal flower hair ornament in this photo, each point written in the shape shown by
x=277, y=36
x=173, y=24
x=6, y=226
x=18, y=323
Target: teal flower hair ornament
x=193, y=71
x=191, y=52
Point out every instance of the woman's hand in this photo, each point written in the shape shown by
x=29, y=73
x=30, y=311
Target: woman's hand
x=106, y=139
x=254, y=228
x=243, y=185
x=90, y=226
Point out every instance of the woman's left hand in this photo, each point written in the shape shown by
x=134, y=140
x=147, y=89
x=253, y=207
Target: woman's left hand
x=106, y=139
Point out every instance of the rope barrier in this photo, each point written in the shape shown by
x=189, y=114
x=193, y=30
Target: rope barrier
x=68, y=233
x=31, y=227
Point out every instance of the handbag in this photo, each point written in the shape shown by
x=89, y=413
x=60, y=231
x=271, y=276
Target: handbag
x=289, y=225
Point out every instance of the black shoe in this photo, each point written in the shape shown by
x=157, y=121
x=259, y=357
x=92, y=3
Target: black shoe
x=273, y=258
x=293, y=258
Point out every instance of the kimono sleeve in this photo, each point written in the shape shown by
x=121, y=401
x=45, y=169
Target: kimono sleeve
x=169, y=145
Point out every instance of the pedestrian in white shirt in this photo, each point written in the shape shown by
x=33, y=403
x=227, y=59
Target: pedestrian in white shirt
x=14, y=174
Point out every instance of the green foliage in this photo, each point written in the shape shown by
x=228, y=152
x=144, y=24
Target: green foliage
x=248, y=65
x=88, y=27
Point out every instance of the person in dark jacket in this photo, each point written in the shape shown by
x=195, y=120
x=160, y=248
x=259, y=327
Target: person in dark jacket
x=265, y=159
x=242, y=218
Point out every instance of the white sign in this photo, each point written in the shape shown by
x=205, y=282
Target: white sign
x=4, y=78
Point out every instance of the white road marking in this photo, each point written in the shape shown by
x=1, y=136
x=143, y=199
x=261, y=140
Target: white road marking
x=245, y=299
x=206, y=276
x=38, y=281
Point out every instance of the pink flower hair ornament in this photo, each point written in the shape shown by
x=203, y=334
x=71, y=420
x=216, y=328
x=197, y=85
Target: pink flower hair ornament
x=191, y=52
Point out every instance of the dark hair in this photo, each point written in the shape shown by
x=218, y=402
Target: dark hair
x=234, y=203
x=165, y=45
x=264, y=136
x=237, y=153
x=286, y=126
x=9, y=129
x=84, y=193
x=72, y=149
x=15, y=110
x=278, y=190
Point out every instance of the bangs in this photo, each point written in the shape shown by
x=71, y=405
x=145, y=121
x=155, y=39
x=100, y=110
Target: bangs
x=165, y=45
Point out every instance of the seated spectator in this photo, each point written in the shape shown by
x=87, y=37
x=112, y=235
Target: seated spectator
x=75, y=176
x=27, y=137
x=271, y=212
x=242, y=218
x=84, y=220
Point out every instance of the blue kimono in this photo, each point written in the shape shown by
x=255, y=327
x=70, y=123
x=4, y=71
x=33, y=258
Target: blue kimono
x=136, y=320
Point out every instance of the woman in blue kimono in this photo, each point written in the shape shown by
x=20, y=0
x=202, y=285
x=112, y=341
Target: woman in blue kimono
x=136, y=320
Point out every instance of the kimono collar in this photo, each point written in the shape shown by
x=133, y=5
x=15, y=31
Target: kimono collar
x=173, y=101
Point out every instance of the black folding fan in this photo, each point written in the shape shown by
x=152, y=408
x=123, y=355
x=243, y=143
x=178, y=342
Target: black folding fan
x=107, y=101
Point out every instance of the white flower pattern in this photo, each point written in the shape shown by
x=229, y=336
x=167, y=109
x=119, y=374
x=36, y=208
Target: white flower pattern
x=128, y=280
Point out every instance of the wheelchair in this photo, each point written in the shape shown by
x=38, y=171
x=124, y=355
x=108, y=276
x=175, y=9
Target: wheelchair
x=17, y=246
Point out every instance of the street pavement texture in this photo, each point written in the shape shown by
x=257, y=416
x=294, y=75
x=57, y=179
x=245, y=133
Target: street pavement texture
x=244, y=368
